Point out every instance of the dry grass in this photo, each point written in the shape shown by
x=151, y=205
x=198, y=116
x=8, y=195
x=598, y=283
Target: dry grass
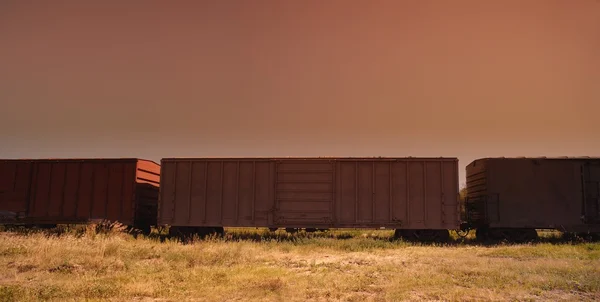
x=256, y=265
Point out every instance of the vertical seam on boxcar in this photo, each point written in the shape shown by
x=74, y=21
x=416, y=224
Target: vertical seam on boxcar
x=340, y=191
x=121, y=191
x=221, y=185
x=407, y=164
x=443, y=196
x=356, y=191
x=273, y=192
x=205, y=190
x=425, y=216
x=49, y=190
x=107, y=191
x=15, y=175
x=391, y=198
x=190, y=178
x=77, y=189
x=92, y=199
x=30, y=189
x=160, y=198
x=253, y=190
x=174, y=193
x=237, y=196
x=373, y=192
x=583, y=193
x=64, y=189
x=333, y=191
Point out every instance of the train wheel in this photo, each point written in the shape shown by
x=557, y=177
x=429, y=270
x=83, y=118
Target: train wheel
x=291, y=230
x=273, y=229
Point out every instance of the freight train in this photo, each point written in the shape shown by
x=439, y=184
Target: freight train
x=418, y=197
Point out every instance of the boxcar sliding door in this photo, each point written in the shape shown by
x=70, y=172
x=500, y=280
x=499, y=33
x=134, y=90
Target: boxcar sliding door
x=304, y=192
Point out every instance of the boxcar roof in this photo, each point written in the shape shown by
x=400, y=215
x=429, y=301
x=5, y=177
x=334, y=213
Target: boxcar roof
x=304, y=158
x=78, y=159
x=539, y=158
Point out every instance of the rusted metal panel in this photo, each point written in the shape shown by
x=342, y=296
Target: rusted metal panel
x=216, y=192
x=530, y=192
x=77, y=190
x=416, y=194
x=310, y=192
x=15, y=178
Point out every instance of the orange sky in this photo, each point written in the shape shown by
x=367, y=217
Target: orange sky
x=304, y=78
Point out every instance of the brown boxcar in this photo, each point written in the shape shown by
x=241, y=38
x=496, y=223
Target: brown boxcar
x=511, y=197
x=398, y=193
x=64, y=191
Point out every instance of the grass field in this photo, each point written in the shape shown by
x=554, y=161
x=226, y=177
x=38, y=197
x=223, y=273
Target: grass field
x=254, y=265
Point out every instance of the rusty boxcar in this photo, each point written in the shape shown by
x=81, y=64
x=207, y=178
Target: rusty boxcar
x=65, y=191
x=416, y=196
x=511, y=197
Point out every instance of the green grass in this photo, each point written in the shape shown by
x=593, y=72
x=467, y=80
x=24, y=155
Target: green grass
x=257, y=265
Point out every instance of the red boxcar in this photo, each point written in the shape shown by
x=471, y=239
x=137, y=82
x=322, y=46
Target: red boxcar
x=64, y=191
x=511, y=197
x=411, y=194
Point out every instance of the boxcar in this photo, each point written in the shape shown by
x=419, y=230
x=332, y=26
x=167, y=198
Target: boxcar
x=511, y=197
x=69, y=191
x=416, y=196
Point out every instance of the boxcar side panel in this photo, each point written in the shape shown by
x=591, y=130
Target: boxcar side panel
x=309, y=192
x=84, y=190
x=534, y=193
x=529, y=192
x=397, y=193
x=400, y=205
x=416, y=196
x=216, y=192
x=591, y=190
x=73, y=191
x=450, y=201
x=382, y=196
x=15, y=182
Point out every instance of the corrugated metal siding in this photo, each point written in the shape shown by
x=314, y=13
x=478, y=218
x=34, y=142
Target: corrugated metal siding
x=15, y=178
x=419, y=194
x=148, y=172
x=77, y=190
x=66, y=191
x=216, y=192
x=343, y=192
x=531, y=192
x=476, y=179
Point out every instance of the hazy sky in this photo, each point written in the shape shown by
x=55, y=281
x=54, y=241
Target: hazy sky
x=157, y=79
